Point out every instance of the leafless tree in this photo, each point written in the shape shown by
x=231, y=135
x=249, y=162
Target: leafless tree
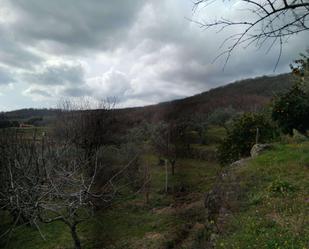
x=172, y=140
x=45, y=184
x=161, y=138
x=42, y=183
x=85, y=123
x=270, y=22
x=45, y=180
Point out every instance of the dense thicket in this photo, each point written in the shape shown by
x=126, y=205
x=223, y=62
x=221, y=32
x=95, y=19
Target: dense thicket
x=243, y=134
x=291, y=110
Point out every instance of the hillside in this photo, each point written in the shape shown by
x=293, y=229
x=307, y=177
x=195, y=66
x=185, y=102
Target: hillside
x=244, y=95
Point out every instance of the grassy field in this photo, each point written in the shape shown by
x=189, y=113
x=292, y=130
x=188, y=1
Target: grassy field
x=30, y=132
x=168, y=221
x=274, y=211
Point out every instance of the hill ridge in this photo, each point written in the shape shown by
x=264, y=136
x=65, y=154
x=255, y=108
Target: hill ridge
x=245, y=95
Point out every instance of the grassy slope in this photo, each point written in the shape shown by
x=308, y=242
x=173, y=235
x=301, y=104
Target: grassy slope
x=274, y=211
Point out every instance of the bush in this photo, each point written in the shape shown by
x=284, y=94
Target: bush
x=35, y=121
x=4, y=123
x=221, y=115
x=291, y=110
x=242, y=136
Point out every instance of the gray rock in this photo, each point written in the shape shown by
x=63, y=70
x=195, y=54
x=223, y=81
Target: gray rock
x=240, y=162
x=258, y=149
x=298, y=137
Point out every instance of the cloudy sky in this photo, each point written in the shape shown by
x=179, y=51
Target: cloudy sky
x=139, y=51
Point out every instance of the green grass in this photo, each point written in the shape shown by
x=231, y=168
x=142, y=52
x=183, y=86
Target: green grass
x=27, y=237
x=198, y=176
x=214, y=134
x=30, y=132
x=131, y=223
x=275, y=209
x=204, y=152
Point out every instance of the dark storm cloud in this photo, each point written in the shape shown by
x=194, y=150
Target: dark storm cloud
x=14, y=53
x=76, y=92
x=57, y=75
x=75, y=25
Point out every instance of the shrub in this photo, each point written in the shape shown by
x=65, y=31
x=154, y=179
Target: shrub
x=36, y=121
x=221, y=115
x=291, y=110
x=241, y=136
x=6, y=123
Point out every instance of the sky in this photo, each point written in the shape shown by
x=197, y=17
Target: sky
x=140, y=52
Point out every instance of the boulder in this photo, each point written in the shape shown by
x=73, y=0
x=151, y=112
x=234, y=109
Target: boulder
x=240, y=162
x=298, y=137
x=258, y=149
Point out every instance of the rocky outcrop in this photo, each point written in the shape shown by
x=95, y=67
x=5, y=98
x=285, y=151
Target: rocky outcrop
x=298, y=137
x=258, y=149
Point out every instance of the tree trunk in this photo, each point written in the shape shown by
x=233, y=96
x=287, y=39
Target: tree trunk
x=166, y=176
x=75, y=237
x=147, y=183
x=257, y=136
x=172, y=162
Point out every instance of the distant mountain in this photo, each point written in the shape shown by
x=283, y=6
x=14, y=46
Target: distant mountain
x=29, y=113
x=243, y=95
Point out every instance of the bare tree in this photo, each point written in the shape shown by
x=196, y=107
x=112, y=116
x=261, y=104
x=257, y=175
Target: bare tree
x=270, y=22
x=43, y=181
x=172, y=140
x=84, y=123
x=161, y=138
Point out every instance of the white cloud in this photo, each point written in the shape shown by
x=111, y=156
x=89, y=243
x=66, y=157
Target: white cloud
x=112, y=83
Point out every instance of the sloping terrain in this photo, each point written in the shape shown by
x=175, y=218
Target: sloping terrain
x=244, y=95
x=263, y=203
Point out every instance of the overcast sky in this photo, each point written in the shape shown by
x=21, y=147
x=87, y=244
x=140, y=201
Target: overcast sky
x=139, y=51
